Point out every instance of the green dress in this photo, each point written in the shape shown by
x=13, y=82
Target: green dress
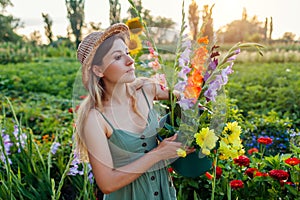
x=126, y=147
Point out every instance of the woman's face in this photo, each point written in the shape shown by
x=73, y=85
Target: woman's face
x=118, y=66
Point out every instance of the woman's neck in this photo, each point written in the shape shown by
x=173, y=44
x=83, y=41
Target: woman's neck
x=116, y=94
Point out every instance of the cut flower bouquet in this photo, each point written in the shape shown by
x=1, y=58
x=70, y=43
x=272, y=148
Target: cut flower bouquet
x=196, y=78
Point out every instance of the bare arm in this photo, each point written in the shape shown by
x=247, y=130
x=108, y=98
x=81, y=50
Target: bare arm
x=109, y=179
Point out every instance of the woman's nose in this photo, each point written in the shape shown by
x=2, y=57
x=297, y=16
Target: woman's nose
x=129, y=60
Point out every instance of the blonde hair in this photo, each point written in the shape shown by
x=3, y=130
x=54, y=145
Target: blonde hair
x=94, y=99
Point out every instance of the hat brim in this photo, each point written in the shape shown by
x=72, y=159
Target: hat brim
x=112, y=30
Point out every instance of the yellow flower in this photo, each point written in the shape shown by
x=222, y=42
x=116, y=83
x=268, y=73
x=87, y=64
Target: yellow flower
x=206, y=139
x=181, y=152
x=135, y=25
x=231, y=144
x=135, y=44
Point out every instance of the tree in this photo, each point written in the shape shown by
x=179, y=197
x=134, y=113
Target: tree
x=5, y=3
x=194, y=19
x=289, y=36
x=8, y=24
x=266, y=29
x=271, y=29
x=48, y=27
x=115, y=10
x=75, y=9
x=207, y=27
x=35, y=38
x=250, y=30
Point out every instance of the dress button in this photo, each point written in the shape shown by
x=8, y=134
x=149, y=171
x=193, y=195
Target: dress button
x=146, y=151
x=144, y=144
x=152, y=178
x=155, y=193
x=142, y=137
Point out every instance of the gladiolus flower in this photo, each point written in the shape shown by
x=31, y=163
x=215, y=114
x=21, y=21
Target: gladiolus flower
x=279, y=174
x=55, y=147
x=292, y=161
x=242, y=161
x=265, y=140
x=252, y=150
x=181, y=152
x=236, y=184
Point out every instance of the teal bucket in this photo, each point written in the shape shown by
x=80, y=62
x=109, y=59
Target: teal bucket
x=192, y=166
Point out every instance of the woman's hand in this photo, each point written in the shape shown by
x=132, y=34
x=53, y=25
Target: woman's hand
x=167, y=148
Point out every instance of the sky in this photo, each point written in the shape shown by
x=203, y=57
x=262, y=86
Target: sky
x=283, y=12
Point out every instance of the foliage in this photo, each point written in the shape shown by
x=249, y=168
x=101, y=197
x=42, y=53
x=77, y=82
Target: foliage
x=7, y=28
x=45, y=76
x=115, y=11
x=48, y=27
x=270, y=86
x=75, y=10
x=37, y=167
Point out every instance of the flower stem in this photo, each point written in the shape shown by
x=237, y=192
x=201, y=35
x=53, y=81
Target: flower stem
x=214, y=178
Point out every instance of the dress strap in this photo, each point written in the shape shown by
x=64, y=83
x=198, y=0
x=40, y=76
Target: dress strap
x=146, y=99
x=106, y=119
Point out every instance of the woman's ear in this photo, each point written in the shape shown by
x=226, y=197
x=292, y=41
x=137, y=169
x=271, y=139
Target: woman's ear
x=97, y=71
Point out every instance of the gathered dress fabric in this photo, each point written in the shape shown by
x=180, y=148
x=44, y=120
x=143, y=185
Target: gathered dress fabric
x=126, y=147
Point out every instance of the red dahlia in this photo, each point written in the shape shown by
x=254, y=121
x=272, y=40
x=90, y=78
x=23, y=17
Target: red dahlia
x=292, y=161
x=252, y=150
x=261, y=174
x=265, y=140
x=242, y=161
x=279, y=174
x=236, y=184
x=250, y=172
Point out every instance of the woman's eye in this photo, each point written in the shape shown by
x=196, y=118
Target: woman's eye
x=118, y=57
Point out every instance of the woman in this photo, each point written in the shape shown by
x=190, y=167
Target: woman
x=117, y=125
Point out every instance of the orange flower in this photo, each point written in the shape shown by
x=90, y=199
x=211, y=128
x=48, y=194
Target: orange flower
x=45, y=137
x=203, y=40
x=199, y=58
x=192, y=92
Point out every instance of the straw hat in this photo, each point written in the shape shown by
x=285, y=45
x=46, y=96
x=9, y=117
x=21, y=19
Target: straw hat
x=88, y=46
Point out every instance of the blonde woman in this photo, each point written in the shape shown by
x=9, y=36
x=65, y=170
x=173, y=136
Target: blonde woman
x=117, y=125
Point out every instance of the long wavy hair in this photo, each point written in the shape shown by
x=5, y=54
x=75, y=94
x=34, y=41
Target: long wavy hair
x=96, y=92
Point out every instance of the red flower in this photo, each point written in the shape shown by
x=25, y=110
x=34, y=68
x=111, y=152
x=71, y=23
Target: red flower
x=265, y=140
x=208, y=175
x=82, y=97
x=170, y=170
x=250, y=172
x=261, y=174
x=242, y=161
x=218, y=172
x=279, y=174
x=252, y=150
x=236, y=184
x=292, y=161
